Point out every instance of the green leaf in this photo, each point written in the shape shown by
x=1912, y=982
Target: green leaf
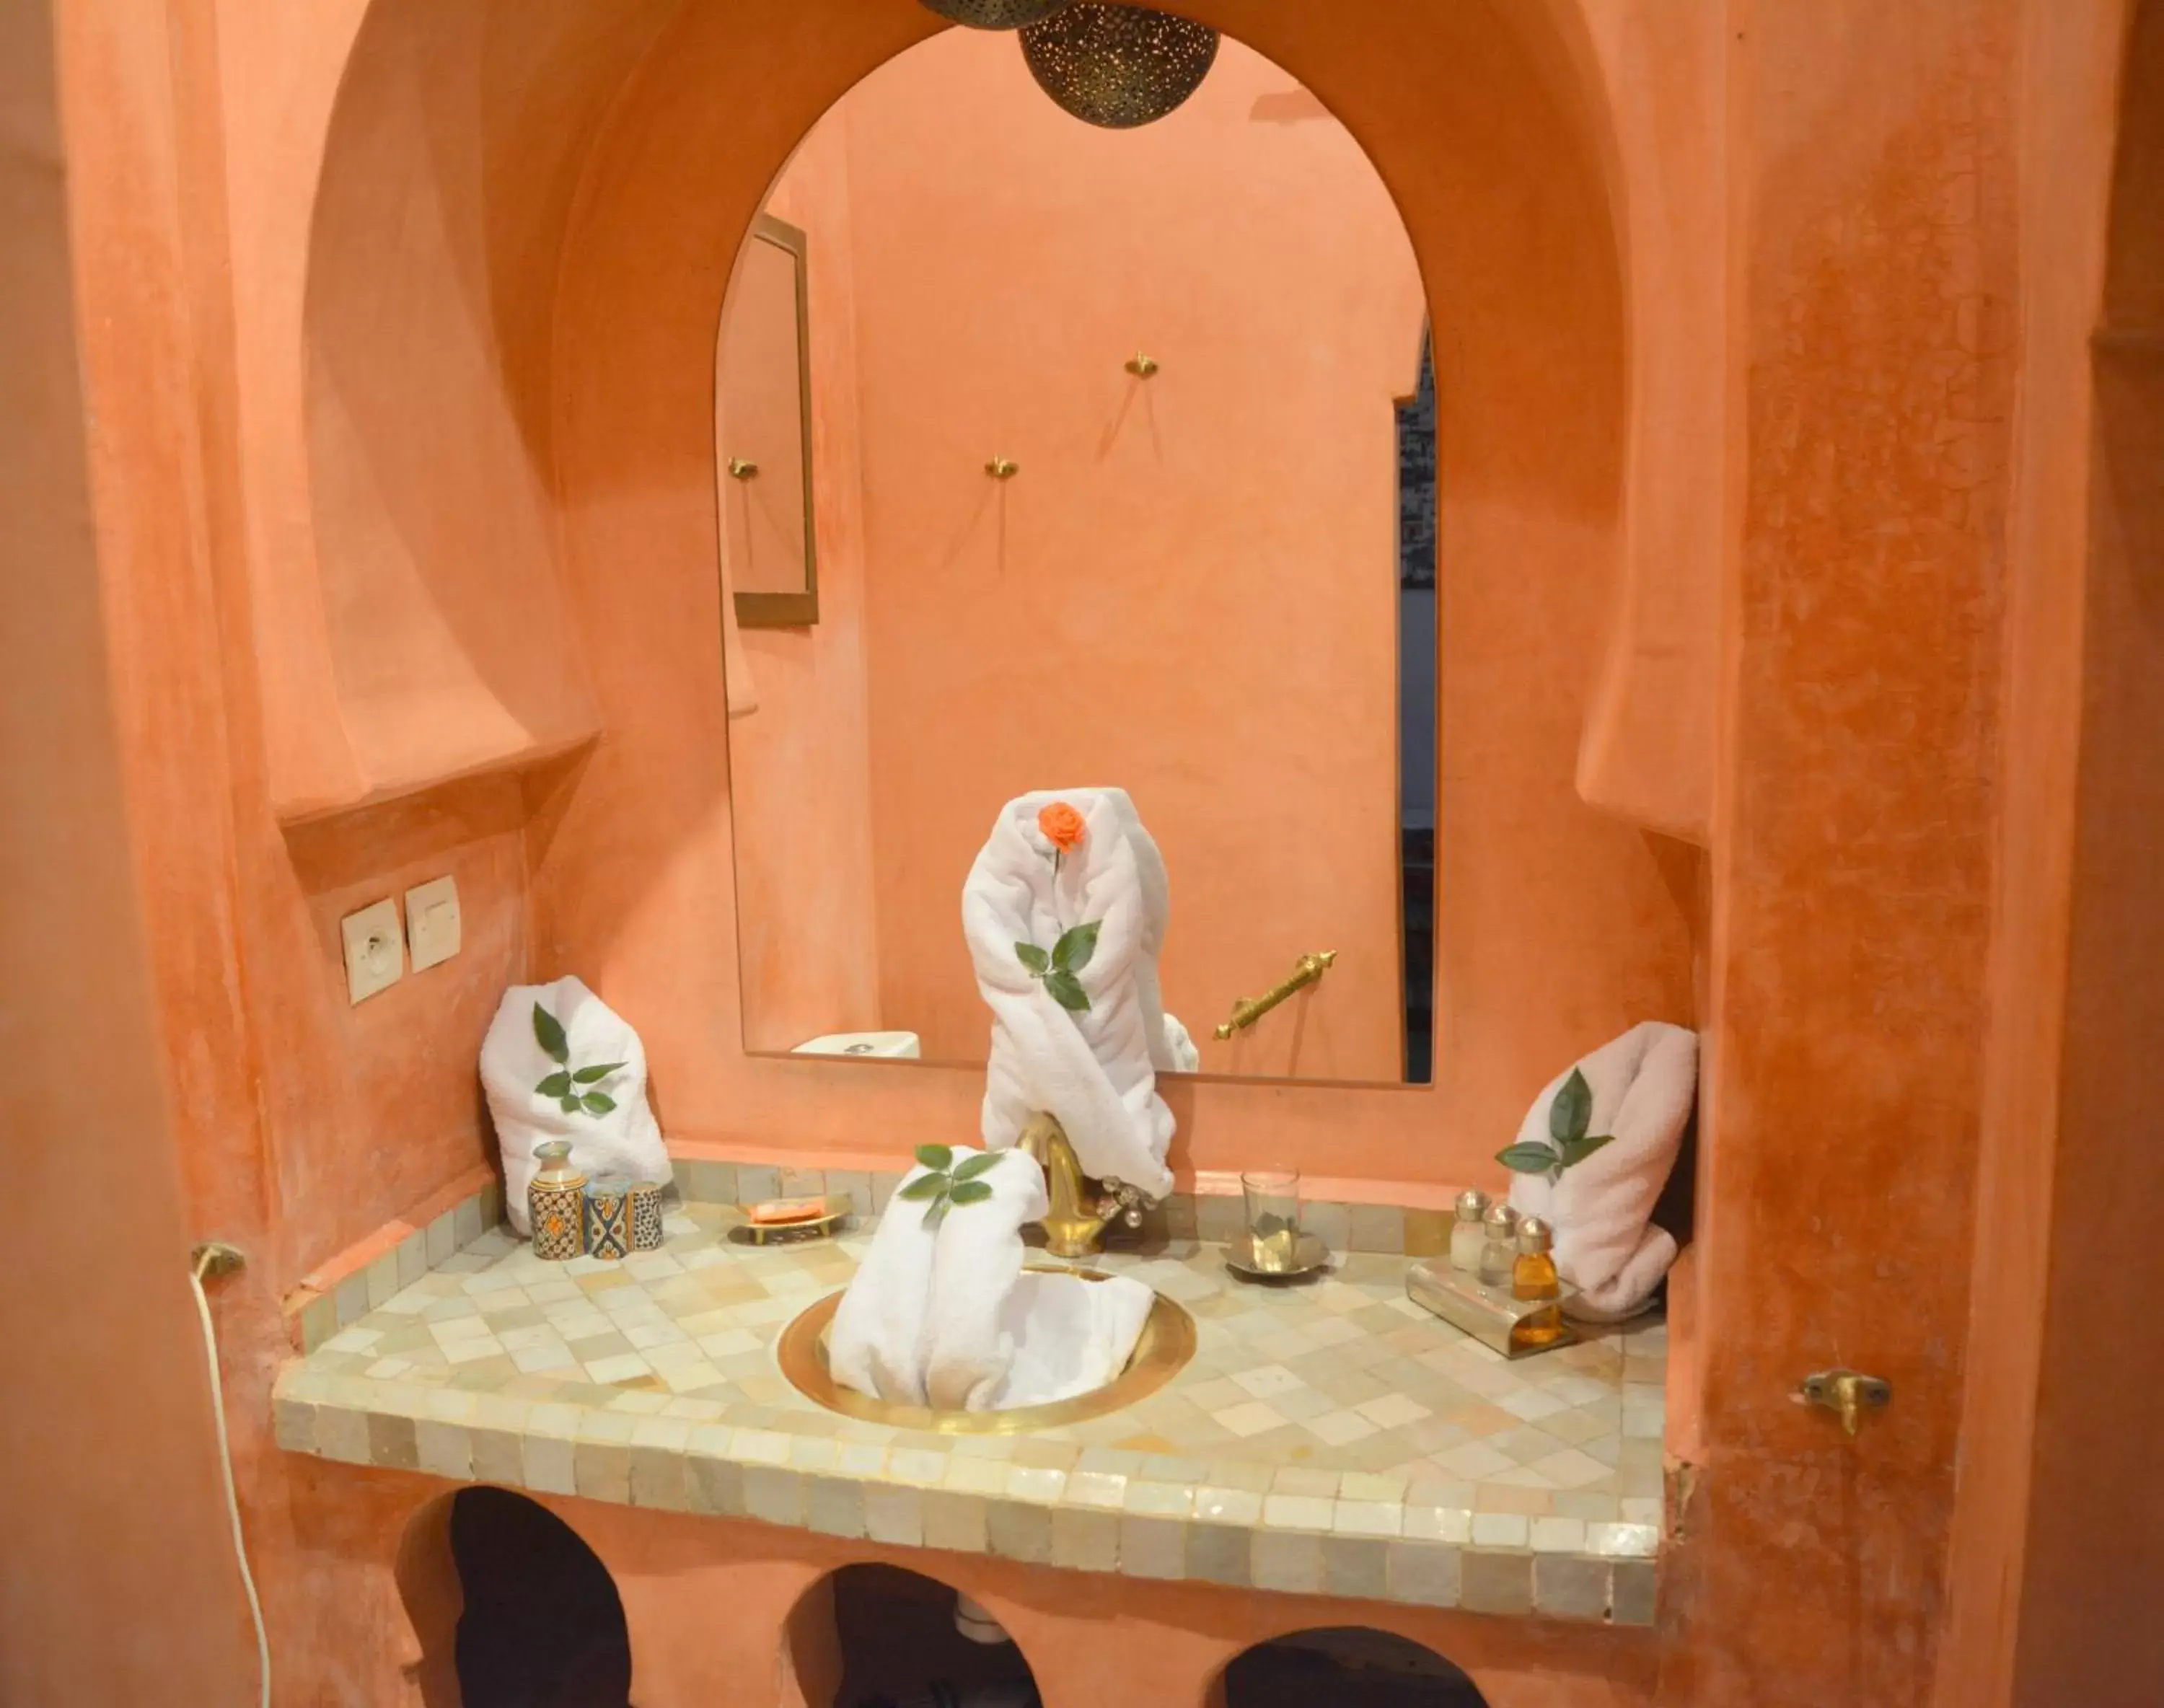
x=1577, y=1150
x=1533, y=1159
x=922, y=1187
x=974, y=1166
x=587, y=1076
x=555, y=1085
x=570, y=1105
x=598, y=1102
x=548, y=1033
x=971, y=1192
x=1068, y=992
x=936, y=1156
x=1072, y=953
x=1572, y=1112
x=1035, y=959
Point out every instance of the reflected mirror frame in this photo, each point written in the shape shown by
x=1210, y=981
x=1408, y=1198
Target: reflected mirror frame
x=787, y=610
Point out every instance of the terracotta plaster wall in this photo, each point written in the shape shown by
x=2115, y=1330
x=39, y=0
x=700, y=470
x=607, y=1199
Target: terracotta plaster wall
x=1854, y=841
x=107, y=1461
x=1560, y=927
x=1127, y=609
x=2065, y=1553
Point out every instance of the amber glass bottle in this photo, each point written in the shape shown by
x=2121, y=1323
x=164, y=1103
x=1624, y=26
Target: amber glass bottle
x=1533, y=1277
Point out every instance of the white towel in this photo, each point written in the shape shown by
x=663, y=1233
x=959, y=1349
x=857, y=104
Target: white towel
x=1071, y=1336
x=876, y=1344
x=1096, y=1072
x=968, y=1343
x=1181, y=1056
x=1643, y=1084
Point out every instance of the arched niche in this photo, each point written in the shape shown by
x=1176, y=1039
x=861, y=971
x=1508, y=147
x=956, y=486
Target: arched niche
x=1347, y=1667
x=510, y=1607
x=881, y=1632
x=527, y=225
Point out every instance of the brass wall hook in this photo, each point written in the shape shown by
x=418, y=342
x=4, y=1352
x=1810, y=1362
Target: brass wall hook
x=1307, y=970
x=742, y=469
x=1002, y=468
x=1141, y=366
x=1848, y=1394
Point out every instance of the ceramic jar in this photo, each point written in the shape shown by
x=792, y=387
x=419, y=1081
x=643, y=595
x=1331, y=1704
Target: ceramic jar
x=646, y=1215
x=608, y=1217
x=555, y=1203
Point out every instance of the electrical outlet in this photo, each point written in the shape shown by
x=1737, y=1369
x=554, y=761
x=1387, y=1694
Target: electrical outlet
x=375, y=955
x=431, y=921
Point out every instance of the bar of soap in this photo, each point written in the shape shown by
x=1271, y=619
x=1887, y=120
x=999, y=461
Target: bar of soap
x=781, y=1212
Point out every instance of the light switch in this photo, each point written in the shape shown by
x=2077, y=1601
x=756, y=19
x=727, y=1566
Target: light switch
x=375, y=955
x=431, y=921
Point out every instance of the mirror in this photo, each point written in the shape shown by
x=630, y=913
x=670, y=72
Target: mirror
x=1123, y=475
x=763, y=428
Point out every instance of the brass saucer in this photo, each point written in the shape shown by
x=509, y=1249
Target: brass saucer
x=1167, y=1344
x=1309, y=1256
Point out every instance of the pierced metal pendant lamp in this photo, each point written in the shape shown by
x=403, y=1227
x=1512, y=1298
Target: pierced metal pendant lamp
x=996, y=14
x=1118, y=66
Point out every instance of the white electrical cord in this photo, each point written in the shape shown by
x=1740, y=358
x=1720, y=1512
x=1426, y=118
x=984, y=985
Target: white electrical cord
x=225, y=1464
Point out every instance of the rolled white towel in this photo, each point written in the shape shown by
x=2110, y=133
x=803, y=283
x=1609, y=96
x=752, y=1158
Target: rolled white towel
x=1181, y=1056
x=876, y=1344
x=1094, y=1068
x=968, y=1341
x=1643, y=1085
x=1071, y=1336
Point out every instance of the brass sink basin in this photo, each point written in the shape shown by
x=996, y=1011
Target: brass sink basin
x=1167, y=1344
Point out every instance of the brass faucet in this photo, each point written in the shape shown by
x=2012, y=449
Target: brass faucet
x=1077, y=1220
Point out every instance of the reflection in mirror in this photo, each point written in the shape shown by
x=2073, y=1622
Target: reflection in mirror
x=761, y=425
x=1207, y=576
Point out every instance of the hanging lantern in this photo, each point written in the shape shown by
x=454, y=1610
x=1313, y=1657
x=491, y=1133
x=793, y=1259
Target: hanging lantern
x=1118, y=66
x=996, y=14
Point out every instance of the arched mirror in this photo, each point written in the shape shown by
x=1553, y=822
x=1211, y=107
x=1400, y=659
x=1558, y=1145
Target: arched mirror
x=1121, y=456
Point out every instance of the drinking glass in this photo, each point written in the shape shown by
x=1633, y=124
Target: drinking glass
x=1272, y=1217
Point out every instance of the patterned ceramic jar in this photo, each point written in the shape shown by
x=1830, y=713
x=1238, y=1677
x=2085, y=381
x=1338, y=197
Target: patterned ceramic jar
x=608, y=1217
x=555, y=1202
x=646, y=1215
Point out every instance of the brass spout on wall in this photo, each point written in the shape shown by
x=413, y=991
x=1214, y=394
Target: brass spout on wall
x=1078, y=1217
x=1307, y=970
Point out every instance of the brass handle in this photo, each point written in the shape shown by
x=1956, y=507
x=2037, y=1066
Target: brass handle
x=743, y=468
x=1847, y=1393
x=1002, y=469
x=1307, y=970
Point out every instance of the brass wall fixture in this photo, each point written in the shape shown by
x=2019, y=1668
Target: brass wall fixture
x=1002, y=468
x=1141, y=366
x=742, y=469
x=995, y=14
x=1848, y=1394
x=1307, y=970
x=1118, y=66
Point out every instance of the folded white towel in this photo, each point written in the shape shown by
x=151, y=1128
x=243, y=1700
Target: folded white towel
x=1070, y=1336
x=1643, y=1084
x=876, y=1344
x=1095, y=1070
x=968, y=1343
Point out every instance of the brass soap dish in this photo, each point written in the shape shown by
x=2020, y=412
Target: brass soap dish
x=789, y=1232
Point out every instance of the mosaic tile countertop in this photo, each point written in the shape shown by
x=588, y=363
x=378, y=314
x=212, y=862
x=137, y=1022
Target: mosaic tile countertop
x=1331, y=1437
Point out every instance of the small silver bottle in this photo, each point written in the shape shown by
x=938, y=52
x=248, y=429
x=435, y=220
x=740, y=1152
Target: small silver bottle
x=1498, y=1249
x=1467, y=1235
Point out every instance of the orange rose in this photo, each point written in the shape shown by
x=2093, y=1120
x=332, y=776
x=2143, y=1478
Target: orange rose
x=1062, y=826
